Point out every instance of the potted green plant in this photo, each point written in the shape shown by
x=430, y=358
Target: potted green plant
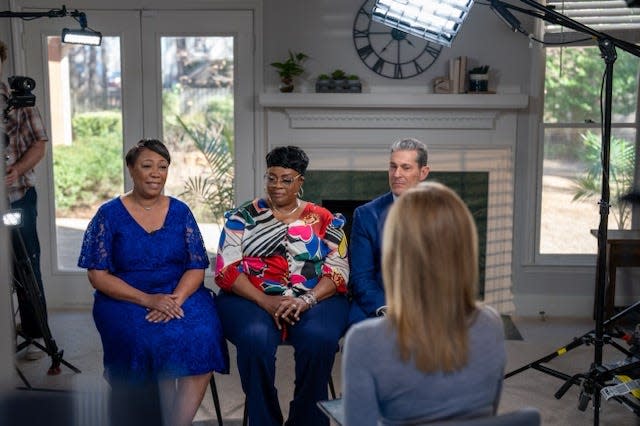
x=324, y=84
x=289, y=69
x=353, y=82
x=339, y=78
x=479, y=79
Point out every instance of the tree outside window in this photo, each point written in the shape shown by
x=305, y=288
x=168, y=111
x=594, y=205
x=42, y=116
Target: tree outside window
x=571, y=181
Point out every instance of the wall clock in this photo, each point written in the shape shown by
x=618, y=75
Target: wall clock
x=390, y=52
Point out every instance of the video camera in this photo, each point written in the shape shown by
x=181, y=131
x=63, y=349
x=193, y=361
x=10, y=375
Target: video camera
x=21, y=95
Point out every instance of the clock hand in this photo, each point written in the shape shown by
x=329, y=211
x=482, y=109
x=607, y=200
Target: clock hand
x=409, y=41
x=387, y=45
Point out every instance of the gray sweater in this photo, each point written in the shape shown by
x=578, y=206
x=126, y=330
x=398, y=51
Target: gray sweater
x=377, y=384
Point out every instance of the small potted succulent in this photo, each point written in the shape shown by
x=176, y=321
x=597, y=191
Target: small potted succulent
x=289, y=69
x=339, y=78
x=479, y=79
x=324, y=84
x=353, y=82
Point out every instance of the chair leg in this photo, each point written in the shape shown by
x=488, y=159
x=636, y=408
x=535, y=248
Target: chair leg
x=216, y=399
x=245, y=414
x=332, y=389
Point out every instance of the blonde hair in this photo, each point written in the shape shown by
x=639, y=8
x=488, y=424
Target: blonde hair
x=430, y=272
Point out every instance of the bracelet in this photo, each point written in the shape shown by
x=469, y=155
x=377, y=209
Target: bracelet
x=309, y=298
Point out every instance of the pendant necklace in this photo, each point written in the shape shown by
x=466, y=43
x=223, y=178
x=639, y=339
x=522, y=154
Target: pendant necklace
x=146, y=208
x=289, y=213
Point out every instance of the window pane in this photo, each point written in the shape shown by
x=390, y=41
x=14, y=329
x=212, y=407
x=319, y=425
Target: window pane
x=86, y=136
x=572, y=170
x=571, y=187
x=573, y=82
x=197, y=114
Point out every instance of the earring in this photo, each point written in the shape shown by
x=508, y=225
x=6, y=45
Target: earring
x=301, y=192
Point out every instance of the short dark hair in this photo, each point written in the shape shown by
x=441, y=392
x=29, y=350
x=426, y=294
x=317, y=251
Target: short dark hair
x=3, y=51
x=151, y=144
x=412, y=144
x=289, y=157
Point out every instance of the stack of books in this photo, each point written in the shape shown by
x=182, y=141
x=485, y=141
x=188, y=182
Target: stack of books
x=458, y=74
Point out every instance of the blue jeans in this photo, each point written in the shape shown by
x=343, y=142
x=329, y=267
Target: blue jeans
x=28, y=204
x=315, y=341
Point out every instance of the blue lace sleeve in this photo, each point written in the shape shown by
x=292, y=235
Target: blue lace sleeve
x=96, y=244
x=197, y=253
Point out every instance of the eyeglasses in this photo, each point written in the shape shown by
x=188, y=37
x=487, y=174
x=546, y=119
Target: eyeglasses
x=272, y=180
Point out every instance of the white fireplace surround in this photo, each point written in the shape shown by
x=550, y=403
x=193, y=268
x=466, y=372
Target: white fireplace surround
x=463, y=133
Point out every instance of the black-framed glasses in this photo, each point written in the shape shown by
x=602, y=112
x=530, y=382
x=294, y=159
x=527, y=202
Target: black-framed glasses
x=271, y=180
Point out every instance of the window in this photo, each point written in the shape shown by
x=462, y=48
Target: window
x=571, y=127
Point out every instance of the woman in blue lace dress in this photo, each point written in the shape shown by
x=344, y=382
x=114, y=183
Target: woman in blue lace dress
x=146, y=259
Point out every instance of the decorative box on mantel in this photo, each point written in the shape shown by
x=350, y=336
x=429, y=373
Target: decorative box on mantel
x=464, y=133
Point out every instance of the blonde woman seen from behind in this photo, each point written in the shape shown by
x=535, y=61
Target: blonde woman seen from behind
x=437, y=354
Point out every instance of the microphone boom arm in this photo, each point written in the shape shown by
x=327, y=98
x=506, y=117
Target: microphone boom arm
x=550, y=15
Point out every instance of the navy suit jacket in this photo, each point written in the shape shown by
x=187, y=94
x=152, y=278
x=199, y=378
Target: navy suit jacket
x=365, y=244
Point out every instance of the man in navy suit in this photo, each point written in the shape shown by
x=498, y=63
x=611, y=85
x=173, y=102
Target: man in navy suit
x=407, y=167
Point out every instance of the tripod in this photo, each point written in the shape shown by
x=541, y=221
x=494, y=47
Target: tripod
x=598, y=375
x=25, y=280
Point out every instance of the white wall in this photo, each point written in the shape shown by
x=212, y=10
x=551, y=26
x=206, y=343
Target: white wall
x=323, y=30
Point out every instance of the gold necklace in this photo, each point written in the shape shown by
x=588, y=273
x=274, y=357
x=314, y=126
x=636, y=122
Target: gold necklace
x=289, y=213
x=146, y=208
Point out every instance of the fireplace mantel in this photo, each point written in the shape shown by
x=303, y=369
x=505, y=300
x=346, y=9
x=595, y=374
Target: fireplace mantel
x=385, y=111
x=391, y=100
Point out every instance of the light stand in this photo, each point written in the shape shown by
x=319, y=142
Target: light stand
x=424, y=18
x=592, y=381
x=84, y=35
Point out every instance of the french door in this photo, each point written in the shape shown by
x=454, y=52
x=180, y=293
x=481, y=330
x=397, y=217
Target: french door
x=184, y=77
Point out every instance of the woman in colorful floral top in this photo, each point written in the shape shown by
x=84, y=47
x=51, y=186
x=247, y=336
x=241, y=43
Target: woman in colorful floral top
x=283, y=269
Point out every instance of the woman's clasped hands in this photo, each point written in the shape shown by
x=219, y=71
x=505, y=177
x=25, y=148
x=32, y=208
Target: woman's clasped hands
x=163, y=307
x=285, y=308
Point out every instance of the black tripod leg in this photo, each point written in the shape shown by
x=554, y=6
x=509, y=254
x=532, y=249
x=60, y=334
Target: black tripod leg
x=23, y=378
x=25, y=278
x=558, y=352
x=573, y=380
x=59, y=353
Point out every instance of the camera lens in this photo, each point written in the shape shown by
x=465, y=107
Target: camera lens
x=22, y=84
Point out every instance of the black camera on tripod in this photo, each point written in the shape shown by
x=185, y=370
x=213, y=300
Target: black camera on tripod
x=21, y=88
